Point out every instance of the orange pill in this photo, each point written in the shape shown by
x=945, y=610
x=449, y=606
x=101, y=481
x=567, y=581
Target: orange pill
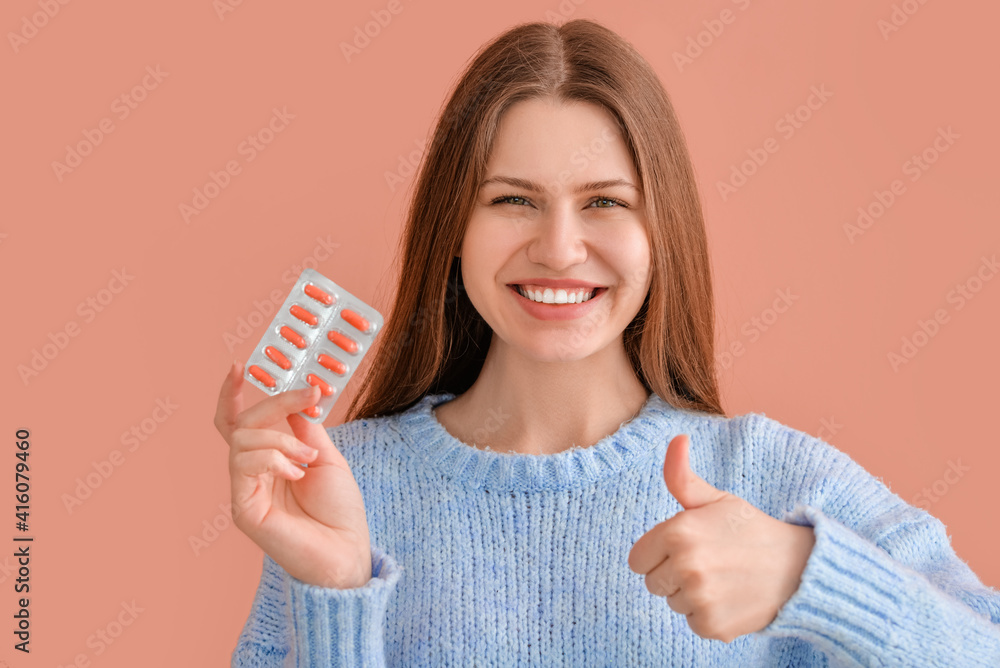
x=303, y=315
x=324, y=389
x=356, y=320
x=333, y=365
x=261, y=375
x=318, y=295
x=312, y=411
x=275, y=356
x=293, y=337
x=345, y=342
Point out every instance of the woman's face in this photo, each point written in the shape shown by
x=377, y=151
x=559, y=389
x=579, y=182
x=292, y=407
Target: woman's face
x=541, y=220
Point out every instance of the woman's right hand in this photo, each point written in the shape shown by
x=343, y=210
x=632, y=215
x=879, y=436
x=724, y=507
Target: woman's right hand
x=311, y=521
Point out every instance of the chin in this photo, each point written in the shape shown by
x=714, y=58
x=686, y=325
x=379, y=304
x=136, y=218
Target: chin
x=565, y=348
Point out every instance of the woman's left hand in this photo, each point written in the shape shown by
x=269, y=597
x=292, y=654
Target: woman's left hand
x=723, y=563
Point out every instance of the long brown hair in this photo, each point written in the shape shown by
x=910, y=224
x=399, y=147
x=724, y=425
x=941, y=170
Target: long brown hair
x=435, y=341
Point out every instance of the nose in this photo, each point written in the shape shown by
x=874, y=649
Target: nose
x=558, y=241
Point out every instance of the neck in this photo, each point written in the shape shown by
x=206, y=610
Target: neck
x=522, y=405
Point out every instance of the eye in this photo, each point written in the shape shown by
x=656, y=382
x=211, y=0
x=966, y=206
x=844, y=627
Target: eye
x=616, y=202
x=504, y=199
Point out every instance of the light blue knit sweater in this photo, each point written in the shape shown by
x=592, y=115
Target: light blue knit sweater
x=482, y=558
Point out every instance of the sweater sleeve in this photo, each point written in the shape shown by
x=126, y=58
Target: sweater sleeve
x=882, y=586
x=300, y=625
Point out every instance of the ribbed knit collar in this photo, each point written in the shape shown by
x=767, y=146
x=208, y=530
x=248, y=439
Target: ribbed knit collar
x=576, y=467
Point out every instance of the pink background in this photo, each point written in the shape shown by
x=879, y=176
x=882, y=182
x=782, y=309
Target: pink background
x=318, y=195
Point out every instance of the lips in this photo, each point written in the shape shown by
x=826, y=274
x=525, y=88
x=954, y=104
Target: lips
x=557, y=311
x=555, y=284
x=519, y=290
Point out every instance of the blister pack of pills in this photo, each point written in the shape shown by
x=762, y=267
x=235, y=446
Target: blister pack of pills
x=318, y=337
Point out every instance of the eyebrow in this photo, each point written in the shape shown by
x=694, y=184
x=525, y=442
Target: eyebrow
x=531, y=186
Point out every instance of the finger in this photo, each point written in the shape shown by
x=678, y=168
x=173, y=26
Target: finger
x=258, y=439
x=680, y=604
x=274, y=408
x=689, y=488
x=651, y=548
x=252, y=501
x=230, y=400
x=316, y=436
x=247, y=466
x=661, y=582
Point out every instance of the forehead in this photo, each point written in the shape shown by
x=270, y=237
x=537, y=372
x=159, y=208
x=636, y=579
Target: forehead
x=562, y=144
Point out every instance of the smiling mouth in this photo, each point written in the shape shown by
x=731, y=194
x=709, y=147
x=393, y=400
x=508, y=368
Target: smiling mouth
x=557, y=295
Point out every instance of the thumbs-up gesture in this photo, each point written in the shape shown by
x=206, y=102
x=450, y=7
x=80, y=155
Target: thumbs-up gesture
x=723, y=563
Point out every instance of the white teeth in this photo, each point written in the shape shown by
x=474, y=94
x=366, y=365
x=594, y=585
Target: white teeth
x=558, y=296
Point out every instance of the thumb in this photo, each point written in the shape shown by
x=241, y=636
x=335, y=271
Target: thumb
x=315, y=436
x=690, y=490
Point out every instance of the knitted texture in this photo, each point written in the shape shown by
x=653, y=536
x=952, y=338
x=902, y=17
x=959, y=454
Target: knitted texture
x=483, y=558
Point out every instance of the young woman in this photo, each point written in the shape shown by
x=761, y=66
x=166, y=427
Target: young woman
x=537, y=469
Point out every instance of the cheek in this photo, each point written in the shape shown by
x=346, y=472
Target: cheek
x=644, y=270
x=484, y=251
x=630, y=257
